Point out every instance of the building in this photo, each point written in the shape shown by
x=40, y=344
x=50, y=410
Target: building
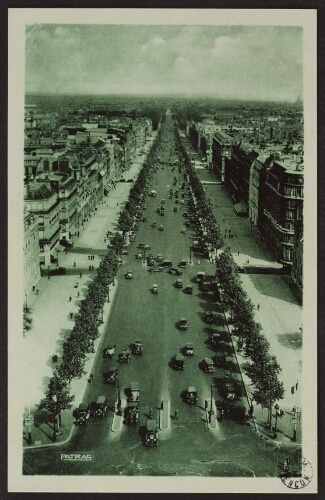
x=43, y=202
x=254, y=188
x=237, y=176
x=280, y=207
x=221, y=152
x=31, y=252
x=297, y=259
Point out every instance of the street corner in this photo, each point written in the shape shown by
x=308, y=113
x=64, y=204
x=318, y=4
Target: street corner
x=164, y=415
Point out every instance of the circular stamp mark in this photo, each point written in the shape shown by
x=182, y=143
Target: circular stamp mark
x=295, y=477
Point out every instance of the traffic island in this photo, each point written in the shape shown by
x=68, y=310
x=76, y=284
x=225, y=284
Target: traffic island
x=211, y=421
x=164, y=415
x=118, y=417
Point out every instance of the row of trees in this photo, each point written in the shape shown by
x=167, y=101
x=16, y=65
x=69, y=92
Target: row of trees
x=129, y=213
x=81, y=340
x=205, y=220
x=263, y=368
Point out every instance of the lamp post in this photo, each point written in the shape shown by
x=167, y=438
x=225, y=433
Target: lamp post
x=211, y=398
x=108, y=295
x=113, y=282
x=49, y=275
x=118, y=399
x=57, y=257
x=26, y=305
x=278, y=414
x=190, y=261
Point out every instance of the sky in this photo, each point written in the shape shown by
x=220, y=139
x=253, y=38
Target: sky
x=237, y=62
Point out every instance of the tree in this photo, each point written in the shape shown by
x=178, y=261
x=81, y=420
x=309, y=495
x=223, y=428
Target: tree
x=57, y=399
x=27, y=320
x=268, y=388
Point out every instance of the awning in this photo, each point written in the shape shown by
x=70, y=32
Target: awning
x=240, y=208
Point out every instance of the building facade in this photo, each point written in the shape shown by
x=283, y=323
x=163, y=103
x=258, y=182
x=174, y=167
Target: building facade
x=280, y=207
x=221, y=152
x=31, y=252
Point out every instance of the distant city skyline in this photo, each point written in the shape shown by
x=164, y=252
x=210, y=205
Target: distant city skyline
x=225, y=62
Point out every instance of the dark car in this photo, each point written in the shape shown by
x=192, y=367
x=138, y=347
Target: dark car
x=58, y=271
x=177, y=362
x=111, y=376
x=174, y=271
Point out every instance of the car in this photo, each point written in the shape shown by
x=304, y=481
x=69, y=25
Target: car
x=177, y=362
x=134, y=392
x=188, y=349
x=58, y=271
x=174, y=271
x=167, y=263
x=178, y=283
x=154, y=289
x=210, y=317
x=191, y=395
x=183, y=324
x=205, y=286
x=188, y=289
x=129, y=275
x=137, y=347
x=124, y=356
x=229, y=390
x=111, y=376
x=151, y=436
x=82, y=414
x=161, y=227
x=183, y=263
x=156, y=269
x=100, y=407
x=208, y=365
x=215, y=338
x=200, y=276
x=159, y=257
x=131, y=413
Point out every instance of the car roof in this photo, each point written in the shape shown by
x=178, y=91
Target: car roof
x=101, y=399
x=151, y=425
x=83, y=406
x=183, y=319
x=189, y=344
x=179, y=357
x=191, y=389
x=112, y=369
x=208, y=361
x=134, y=386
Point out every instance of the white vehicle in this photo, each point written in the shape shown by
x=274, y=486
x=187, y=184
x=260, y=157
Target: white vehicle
x=153, y=193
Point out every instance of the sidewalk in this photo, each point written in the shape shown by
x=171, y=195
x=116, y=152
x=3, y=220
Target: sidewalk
x=58, y=298
x=277, y=310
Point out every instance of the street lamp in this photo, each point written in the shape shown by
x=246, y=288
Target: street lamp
x=49, y=269
x=26, y=306
x=108, y=295
x=278, y=414
x=118, y=399
x=57, y=257
x=211, y=398
x=190, y=261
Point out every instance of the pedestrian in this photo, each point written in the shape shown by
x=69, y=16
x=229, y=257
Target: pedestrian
x=70, y=298
x=176, y=415
x=258, y=306
x=74, y=264
x=88, y=257
x=80, y=275
x=91, y=378
x=117, y=204
x=199, y=262
x=36, y=291
x=78, y=294
x=92, y=268
x=71, y=315
x=53, y=358
x=89, y=268
x=238, y=253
